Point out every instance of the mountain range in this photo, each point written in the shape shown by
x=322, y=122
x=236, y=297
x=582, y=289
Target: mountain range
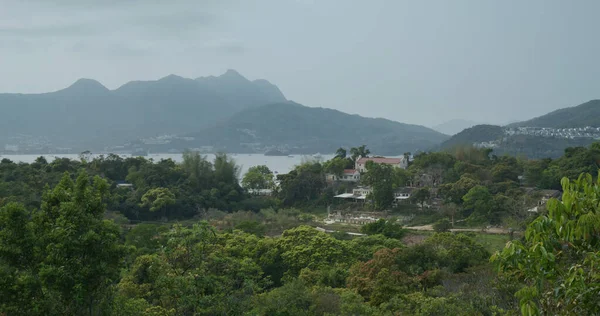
x=227, y=112
x=233, y=114
x=88, y=115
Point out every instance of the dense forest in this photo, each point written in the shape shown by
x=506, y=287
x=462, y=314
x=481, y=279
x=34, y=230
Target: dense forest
x=114, y=236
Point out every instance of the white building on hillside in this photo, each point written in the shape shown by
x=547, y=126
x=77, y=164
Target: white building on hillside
x=348, y=175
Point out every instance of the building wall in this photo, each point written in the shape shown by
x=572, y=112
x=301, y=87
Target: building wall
x=344, y=178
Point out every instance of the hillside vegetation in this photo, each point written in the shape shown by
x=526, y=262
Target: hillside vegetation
x=310, y=130
x=475, y=134
x=586, y=114
x=529, y=145
x=71, y=241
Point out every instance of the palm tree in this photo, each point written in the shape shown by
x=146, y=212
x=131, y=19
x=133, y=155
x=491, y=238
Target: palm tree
x=361, y=151
x=341, y=153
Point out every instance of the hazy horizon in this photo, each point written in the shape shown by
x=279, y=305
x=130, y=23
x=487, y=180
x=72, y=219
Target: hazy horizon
x=412, y=62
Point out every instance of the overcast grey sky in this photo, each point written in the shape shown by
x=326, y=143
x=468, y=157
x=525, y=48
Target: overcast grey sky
x=417, y=61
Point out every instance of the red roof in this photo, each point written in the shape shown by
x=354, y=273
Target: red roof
x=349, y=171
x=391, y=161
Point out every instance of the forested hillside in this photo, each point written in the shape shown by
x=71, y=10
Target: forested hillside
x=475, y=134
x=544, y=137
x=586, y=114
x=309, y=130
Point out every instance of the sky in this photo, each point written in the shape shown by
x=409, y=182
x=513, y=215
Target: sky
x=420, y=62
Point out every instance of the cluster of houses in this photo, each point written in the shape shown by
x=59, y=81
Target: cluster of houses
x=569, y=133
x=360, y=166
x=360, y=193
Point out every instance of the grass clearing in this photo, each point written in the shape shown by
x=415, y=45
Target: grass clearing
x=492, y=242
x=342, y=227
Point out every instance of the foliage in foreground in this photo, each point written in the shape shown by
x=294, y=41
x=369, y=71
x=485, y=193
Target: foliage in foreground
x=558, y=260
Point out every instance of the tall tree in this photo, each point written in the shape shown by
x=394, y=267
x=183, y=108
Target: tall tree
x=258, y=177
x=381, y=179
x=340, y=153
x=360, y=151
x=421, y=195
x=62, y=260
x=198, y=169
x=303, y=184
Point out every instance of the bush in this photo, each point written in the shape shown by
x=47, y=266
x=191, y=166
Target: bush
x=252, y=227
x=387, y=228
x=443, y=225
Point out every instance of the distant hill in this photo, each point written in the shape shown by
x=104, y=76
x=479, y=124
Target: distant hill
x=586, y=114
x=299, y=129
x=475, y=134
x=454, y=126
x=504, y=141
x=87, y=115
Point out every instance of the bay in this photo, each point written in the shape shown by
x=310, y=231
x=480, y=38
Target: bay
x=279, y=164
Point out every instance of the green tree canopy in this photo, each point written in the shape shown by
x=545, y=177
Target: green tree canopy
x=158, y=199
x=360, y=151
x=63, y=258
x=258, y=177
x=381, y=179
x=558, y=259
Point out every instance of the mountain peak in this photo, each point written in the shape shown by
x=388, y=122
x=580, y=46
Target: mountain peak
x=233, y=74
x=86, y=86
x=88, y=83
x=171, y=77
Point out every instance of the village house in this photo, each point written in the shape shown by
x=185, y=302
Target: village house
x=123, y=184
x=261, y=192
x=401, y=195
x=348, y=175
x=358, y=194
x=543, y=197
x=547, y=195
x=361, y=162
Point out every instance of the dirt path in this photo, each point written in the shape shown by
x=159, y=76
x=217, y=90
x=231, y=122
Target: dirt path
x=491, y=230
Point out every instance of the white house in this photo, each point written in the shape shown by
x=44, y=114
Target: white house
x=348, y=175
x=401, y=195
x=362, y=191
x=358, y=194
x=361, y=162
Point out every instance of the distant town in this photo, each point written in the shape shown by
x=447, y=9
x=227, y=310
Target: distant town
x=587, y=132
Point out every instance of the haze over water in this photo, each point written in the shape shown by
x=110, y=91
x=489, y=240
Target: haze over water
x=279, y=164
